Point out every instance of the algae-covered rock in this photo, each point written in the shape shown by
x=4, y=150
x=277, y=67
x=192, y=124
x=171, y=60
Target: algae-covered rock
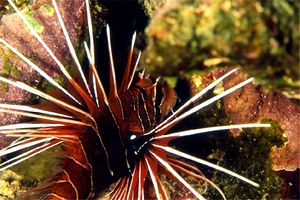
x=194, y=31
x=150, y=6
x=249, y=105
x=249, y=155
x=42, y=17
x=19, y=178
x=22, y=177
x=10, y=184
x=262, y=36
x=38, y=168
x=253, y=153
x=252, y=104
x=4, y=8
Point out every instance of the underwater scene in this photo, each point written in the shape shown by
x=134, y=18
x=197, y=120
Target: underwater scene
x=149, y=99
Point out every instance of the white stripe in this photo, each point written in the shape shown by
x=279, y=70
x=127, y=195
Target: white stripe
x=134, y=69
x=93, y=75
x=28, y=125
x=38, y=152
x=206, y=103
x=113, y=83
x=96, y=78
x=140, y=188
x=194, y=98
x=70, y=45
x=23, y=146
x=128, y=71
x=38, y=37
x=203, y=162
x=90, y=27
x=177, y=176
x=39, y=70
x=153, y=179
x=34, y=110
x=211, y=129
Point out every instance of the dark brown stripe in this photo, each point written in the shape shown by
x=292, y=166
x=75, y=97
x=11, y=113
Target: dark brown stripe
x=146, y=109
x=63, y=189
x=53, y=196
x=133, y=101
x=138, y=112
x=78, y=162
x=91, y=169
x=79, y=177
x=71, y=183
x=143, y=112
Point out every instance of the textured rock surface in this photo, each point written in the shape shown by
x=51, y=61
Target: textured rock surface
x=255, y=153
x=251, y=104
x=12, y=29
x=261, y=36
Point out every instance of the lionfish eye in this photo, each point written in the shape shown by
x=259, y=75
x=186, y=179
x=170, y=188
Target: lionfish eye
x=136, y=144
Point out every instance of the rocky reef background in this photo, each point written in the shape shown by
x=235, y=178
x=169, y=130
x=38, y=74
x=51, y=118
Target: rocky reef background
x=189, y=43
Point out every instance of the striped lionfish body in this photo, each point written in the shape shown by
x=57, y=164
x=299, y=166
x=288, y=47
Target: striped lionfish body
x=121, y=136
x=130, y=115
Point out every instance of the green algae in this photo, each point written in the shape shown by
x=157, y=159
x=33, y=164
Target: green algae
x=10, y=184
x=22, y=177
x=48, y=87
x=30, y=18
x=49, y=10
x=150, y=6
x=6, y=8
x=37, y=168
x=8, y=69
x=4, y=87
x=171, y=80
x=249, y=155
x=197, y=32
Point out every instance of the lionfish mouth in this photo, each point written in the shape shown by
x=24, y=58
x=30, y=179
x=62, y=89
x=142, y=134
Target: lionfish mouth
x=88, y=121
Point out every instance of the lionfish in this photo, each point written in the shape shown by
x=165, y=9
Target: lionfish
x=119, y=137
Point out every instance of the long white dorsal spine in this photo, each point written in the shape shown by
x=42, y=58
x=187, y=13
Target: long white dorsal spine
x=38, y=37
x=33, y=110
x=38, y=69
x=90, y=27
x=206, y=163
x=176, y=175
x=70, y=46
x=193, y=99
x=211, y=129
x=205, y=103
x=113, y=83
